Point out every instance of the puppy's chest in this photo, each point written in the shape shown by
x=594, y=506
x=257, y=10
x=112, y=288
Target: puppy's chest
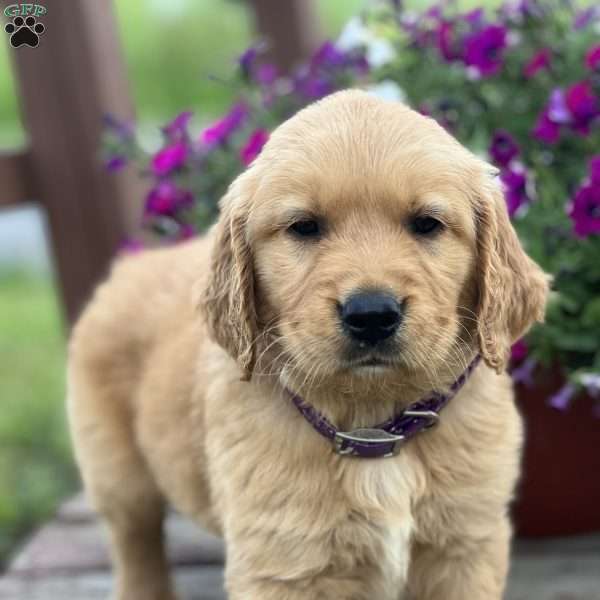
x=380, y=493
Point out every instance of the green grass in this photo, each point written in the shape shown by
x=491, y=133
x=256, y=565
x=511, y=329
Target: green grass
x=36, y=468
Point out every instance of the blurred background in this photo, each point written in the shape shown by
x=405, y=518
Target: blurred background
x=532, y=68
x=178, y=54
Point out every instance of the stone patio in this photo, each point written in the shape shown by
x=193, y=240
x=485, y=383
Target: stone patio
x=67, y=560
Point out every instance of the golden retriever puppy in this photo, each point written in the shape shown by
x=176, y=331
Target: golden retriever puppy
x=359, y=267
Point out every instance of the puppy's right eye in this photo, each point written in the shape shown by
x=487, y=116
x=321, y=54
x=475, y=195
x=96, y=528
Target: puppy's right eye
x=306, y=228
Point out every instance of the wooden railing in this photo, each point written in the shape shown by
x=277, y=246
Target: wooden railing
x=74, y=77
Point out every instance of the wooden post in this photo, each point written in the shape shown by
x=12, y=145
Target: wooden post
x=291, y=28
x=67, y=83
x=16, y=178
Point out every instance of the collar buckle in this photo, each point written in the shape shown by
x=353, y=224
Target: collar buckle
x=432, y=418
x=367, y=443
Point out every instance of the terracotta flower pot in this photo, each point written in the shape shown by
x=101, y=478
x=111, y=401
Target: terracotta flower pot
x=559, y=492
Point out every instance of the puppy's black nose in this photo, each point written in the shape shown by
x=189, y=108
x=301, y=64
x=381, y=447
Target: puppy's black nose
x=370, y=316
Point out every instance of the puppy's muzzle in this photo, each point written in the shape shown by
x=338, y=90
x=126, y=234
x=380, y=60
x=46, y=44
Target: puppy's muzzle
x=370, y=317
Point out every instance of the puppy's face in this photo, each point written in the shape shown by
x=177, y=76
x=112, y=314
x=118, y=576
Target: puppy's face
x=365, y=267
x=362, y=221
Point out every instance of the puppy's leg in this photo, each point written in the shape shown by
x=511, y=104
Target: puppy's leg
x=464, y=568
x=137, y=545
x=122, y=490
x=285, y=542
x=258, y=571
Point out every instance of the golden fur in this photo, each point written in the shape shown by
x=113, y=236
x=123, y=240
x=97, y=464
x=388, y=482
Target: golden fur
x=178, y=364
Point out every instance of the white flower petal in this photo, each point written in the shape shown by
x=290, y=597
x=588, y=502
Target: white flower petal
x=387, y=90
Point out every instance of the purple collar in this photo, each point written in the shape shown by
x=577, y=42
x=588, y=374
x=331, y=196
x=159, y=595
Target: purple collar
x=387, y=438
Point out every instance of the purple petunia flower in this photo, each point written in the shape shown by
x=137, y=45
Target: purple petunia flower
x=218, y=132
x=314, y=87
x=435, y=12
x=115, y=163
x=558, y=110
x=585, y=17
x=328, y=56
x=592, y=58
x=131, y=246
x=123, y=130
x=555, y=114
x=177, y=128
x=186, y=231
x=515, y=188
x=562, y=398
x=247, y=59
x=503, y=148
x=583, y=106
x=253, y=146
x=484, y=49
x=169, y=158
x=540, y=60
x=474, y=17
x=585, y=210
x=266, y=74
x=523, y=374
x=165, y=199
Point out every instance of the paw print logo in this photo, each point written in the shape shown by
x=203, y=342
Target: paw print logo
x=24, y=32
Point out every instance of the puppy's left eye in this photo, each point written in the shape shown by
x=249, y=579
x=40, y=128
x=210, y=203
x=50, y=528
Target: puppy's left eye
x=426, y=225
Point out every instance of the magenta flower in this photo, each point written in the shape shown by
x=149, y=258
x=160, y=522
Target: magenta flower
x=446, y=41
x=546, y=130
x=592, y=58
x=253, y=146
x=503, y=148
x=177, y=128
x=166, y=199
x=583, y=106
x=518, y=352
x=585, y=210
x=218, y=132
x=484, y=49
x=515, y=188
x=169, y=158
x=540, y=60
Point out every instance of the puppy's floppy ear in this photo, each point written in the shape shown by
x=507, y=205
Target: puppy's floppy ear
x=512, y=289
x=228, y=298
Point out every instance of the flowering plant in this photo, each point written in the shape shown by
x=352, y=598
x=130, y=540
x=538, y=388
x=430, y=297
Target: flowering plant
x=520, y=85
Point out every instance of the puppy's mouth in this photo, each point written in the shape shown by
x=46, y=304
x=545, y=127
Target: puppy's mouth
x=369, y=363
